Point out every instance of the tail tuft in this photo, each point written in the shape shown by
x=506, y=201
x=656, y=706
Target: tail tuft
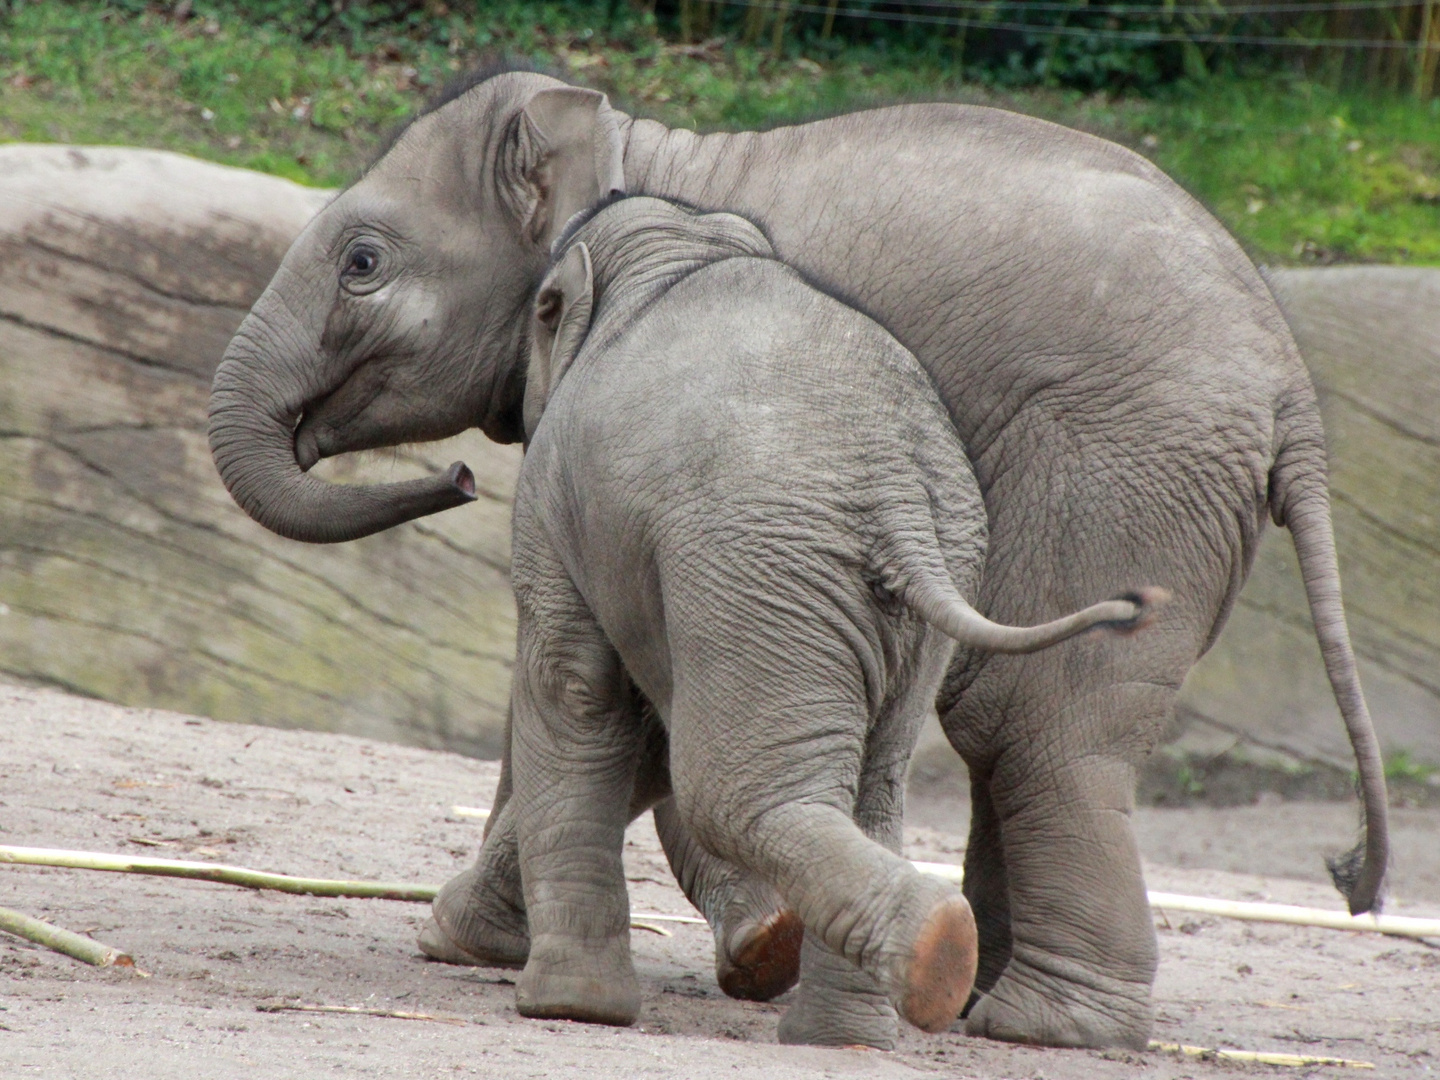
x=1345, y=873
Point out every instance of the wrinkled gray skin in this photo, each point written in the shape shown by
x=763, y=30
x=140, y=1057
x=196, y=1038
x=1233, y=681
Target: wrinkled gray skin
x=746, y=498
x=1130, y=397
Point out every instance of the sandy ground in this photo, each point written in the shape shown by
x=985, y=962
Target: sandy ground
x=79, y=773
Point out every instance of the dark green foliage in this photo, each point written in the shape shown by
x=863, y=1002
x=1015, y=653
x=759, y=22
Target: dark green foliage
x=1299, y=169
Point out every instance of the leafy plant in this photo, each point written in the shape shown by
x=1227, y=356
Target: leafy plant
x=1299, y=171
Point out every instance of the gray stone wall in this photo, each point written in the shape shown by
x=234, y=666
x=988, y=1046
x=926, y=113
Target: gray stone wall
x=1371, y=338
x=126, y=571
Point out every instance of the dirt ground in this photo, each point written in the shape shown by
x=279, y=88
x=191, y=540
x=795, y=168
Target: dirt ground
x=83, y=774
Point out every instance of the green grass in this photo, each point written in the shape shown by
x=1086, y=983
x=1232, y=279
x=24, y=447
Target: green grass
x=1299, y=172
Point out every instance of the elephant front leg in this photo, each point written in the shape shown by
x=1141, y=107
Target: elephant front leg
x=838, y=1004
x=479, y=916
x=1083, y=951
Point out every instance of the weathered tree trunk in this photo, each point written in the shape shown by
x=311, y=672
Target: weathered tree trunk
x=1371, y=338
x=126, y=571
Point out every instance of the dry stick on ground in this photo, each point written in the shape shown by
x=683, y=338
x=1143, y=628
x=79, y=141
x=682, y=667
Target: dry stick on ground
x=1250, y=911
x=1394, y=925
x=1258, y=1057
x=359, y=1010
x=254, y=879
x=228, y=875
x=63, y=941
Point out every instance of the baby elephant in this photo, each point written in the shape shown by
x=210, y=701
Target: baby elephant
x=743, y=500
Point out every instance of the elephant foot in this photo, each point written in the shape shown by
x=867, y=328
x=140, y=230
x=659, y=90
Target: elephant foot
x=838, y=1005
x=1051, y=1005
x=940, y=970
x=470, y=924
x=760, y=958
x=591, y=983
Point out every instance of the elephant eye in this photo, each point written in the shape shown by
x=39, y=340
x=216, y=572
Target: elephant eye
x=363, y=261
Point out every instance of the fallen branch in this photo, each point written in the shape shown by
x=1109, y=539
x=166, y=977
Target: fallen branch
x=228, y=875
x=63, y=941
x=1290, y=915
x=360, y=1010
x=252, y=879
x=1259, y=1057
x=1287, y=914
x=692, y=920
x=1251, y=911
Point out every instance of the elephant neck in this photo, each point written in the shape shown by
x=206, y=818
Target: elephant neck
x=672, y=163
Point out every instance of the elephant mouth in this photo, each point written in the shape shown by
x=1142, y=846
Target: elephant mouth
x=307, y=445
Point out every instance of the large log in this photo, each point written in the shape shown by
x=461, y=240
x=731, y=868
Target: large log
x=1371, y=338
x=126, y=571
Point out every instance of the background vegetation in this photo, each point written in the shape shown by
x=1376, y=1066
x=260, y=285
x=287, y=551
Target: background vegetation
x=1307, y=153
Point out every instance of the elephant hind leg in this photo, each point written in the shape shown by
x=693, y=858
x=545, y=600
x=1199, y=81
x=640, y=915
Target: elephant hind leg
x=1083, y=952
x=757, y=938
x=910, y=934
x=985, y=886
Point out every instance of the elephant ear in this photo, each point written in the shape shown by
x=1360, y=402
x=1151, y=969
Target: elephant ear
x=564, y=156
x=562, y=312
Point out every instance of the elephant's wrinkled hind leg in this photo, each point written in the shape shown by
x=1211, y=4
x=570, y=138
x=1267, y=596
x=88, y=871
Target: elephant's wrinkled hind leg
x=757, y=938
x=985, y=887
x=838, y=1004
x=912, y=935
x=1083, y=955
x=479, y=916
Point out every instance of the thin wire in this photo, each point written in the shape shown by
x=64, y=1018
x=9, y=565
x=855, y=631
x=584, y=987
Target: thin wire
x=1177, y=11
x=1151, y=37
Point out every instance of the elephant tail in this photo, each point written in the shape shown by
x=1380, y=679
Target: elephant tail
x=935, y=599
x=1300, y=500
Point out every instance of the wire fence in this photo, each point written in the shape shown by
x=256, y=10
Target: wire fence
x=1387, y=44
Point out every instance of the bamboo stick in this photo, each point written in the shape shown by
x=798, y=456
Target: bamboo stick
x=1292, y=915
x=1259, y=1057
x=1252, y=911
x=1429, y=51
x=228, y=875
x=63, y=941
x=359, y=1010
x=777, y=39
x=252, y=879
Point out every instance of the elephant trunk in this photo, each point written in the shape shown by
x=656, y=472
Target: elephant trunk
x=261, y=388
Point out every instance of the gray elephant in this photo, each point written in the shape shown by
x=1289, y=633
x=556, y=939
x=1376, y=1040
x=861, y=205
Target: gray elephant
x=746, y=498
x=1131, y=400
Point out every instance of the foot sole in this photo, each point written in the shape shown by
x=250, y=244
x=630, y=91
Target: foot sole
x=764, y=958
x=942, y=967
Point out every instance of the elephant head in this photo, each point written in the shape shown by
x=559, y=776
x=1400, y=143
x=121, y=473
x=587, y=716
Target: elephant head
x=399, y=314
